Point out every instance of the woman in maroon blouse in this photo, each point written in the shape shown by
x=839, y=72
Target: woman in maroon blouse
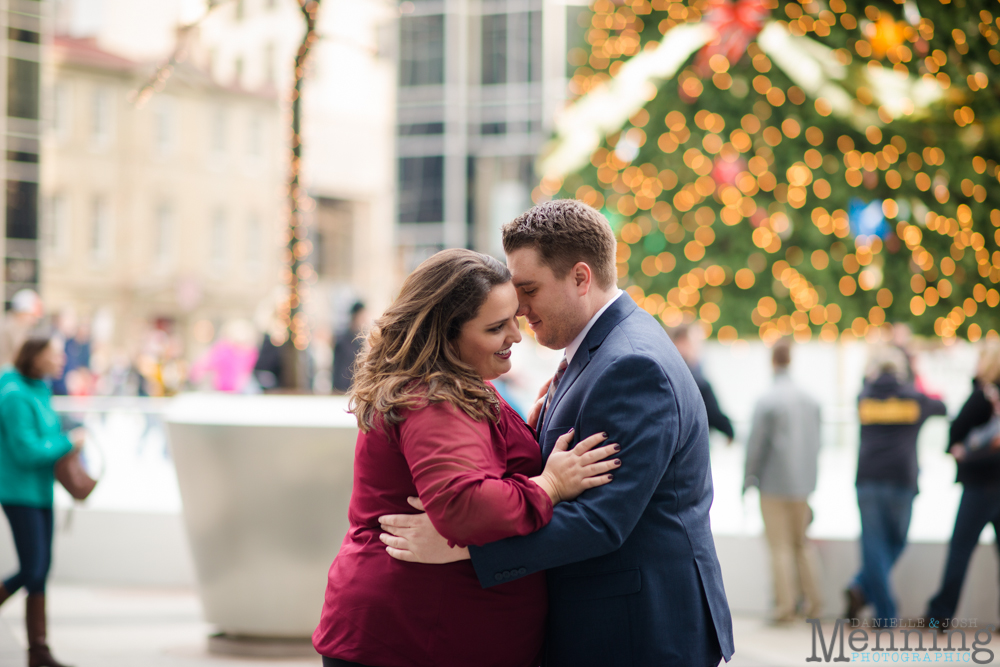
x=433, y=427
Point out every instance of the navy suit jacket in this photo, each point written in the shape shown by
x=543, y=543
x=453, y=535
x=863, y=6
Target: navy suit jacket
x=632, y=571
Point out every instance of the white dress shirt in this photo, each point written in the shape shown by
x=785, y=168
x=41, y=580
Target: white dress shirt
x=578, y=341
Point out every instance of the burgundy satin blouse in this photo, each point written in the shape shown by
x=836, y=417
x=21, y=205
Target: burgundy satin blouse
x=472, y=478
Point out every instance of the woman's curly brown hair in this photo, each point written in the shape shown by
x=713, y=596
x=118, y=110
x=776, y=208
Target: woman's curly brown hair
x=410, y=358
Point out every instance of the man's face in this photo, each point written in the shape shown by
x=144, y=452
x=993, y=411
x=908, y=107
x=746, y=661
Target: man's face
x=553, y=306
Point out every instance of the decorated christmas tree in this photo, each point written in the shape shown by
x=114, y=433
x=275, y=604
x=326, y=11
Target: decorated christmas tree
x=775, y=167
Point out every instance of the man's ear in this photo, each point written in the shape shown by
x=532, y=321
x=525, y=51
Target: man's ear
x=583, y=277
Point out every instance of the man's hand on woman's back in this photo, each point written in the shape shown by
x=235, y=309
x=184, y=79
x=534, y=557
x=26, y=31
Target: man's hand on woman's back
x=413, y=538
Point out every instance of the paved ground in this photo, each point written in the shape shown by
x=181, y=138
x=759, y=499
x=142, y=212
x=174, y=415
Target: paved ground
x=128, y=627
x=122, y=627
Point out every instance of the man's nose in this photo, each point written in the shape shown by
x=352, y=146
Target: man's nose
x=522, y=308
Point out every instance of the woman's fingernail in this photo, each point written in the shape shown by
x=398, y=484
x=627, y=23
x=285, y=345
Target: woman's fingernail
x=605, y=434
x=611, y=476
x=618, y=448
x=618, y=462
x=571, y=430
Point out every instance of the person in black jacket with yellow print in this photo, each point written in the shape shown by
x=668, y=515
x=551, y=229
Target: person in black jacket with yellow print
x=891, y=411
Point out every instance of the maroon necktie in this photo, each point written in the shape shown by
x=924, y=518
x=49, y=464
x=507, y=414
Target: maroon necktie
x=555, y=383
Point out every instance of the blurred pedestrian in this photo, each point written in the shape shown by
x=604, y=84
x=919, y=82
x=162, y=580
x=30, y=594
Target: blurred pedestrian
x=230, y=360
x=269, y=371
x=688, y=343
x=31, y=442
x=979, y=475
x=347, y=347
x=902, y=340
x=25, y=312
x=891, y=411
x=781, y=461
x=77, y=376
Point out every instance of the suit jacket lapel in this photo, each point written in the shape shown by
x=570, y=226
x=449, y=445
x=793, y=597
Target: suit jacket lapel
x=616, y=312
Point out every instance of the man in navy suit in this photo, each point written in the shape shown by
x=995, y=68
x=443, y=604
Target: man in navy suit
x=632, y=571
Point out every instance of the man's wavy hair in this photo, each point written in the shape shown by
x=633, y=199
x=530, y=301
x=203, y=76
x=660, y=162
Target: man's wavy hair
x=410, y=359
x=564, y=232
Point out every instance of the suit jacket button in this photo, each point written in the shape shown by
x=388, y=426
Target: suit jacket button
x=506, y=574
x=522, y=571
x=498, y=576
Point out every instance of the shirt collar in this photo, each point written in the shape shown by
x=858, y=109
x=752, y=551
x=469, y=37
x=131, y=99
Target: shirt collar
x=578, y=341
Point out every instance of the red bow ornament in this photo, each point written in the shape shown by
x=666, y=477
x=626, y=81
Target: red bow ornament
x=737, y=23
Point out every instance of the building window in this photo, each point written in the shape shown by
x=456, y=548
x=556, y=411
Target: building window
x=255, y=138
x=421, y=50
x=21, y=35
x=420, y=129
x=253, y=243
x=22, y=156
x=56, y=228
x=61, y=112
x=535, y=44
x=494, y=46
x=269, y=70
x=493, y=128
x=332, y=234
x=163, y=234
x=100, y=230
x=526, y=47
x=217, y=251
x=421, y=189
x=22, y=210
x=21, y=272
x=100, y=120
x=218, y=131
x=164, y=129
x=22, y=88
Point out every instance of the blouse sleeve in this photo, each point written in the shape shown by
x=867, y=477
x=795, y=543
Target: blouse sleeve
x=451, y=459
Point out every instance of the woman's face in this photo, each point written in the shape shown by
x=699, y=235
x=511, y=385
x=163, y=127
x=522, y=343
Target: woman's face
x=484, y=341
x=50, y=361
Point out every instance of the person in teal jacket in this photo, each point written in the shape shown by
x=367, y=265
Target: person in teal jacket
x=31, y=441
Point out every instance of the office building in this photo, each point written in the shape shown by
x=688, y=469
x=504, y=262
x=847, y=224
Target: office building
x=22, y=39
x=479, y=84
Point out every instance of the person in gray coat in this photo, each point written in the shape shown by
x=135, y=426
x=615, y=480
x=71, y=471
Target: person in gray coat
x=781, y=462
